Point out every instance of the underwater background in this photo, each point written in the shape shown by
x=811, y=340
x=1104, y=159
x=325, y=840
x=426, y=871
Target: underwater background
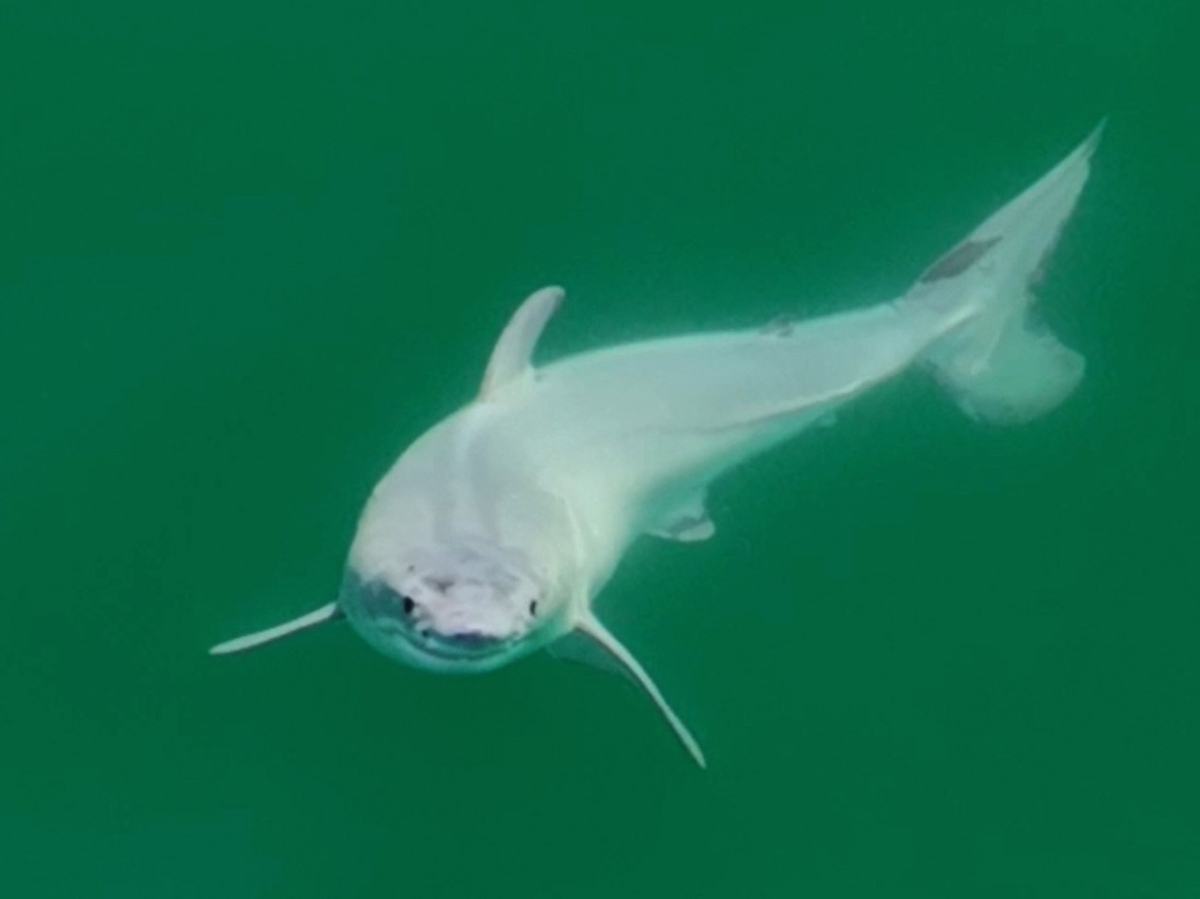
x=249, y=251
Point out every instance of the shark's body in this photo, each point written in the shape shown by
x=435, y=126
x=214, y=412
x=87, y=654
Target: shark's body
x=494, y=532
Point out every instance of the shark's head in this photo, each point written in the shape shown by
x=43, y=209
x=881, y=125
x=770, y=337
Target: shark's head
x=452, y=608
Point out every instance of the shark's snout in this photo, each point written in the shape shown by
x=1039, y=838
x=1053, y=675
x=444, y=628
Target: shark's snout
x=452, y=607
x=449, y=620
x=465, y=614
x=461, y=625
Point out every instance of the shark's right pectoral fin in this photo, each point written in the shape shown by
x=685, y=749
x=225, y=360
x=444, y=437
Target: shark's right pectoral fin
x=593, y=644
x=304, y=622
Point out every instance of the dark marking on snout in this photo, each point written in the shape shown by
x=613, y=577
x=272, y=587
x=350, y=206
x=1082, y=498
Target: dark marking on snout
x=958, y=260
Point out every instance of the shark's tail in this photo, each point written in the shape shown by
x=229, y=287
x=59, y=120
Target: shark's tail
x=1000, y=363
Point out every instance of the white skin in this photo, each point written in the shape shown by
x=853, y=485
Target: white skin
x=494, y=532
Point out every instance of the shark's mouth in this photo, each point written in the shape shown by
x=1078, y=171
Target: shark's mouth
x=394, y=636
x=458, y=647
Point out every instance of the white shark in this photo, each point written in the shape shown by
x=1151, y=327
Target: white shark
x=493, y=534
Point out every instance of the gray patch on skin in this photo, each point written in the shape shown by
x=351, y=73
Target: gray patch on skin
x=780, y=326
x=1040, y=272
x=691, y=528
x=958, y=260
x=379, y=600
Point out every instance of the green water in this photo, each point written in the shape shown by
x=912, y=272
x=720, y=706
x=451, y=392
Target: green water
x=249, y=252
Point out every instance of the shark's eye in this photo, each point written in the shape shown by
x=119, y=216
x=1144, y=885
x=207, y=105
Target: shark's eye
x=533, y=607
x=409, y=605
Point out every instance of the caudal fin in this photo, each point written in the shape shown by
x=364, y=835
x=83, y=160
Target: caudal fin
x=1000, y=364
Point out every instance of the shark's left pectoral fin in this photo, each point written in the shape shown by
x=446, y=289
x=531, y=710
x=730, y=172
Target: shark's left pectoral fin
x=304, y=622
x=592, y=643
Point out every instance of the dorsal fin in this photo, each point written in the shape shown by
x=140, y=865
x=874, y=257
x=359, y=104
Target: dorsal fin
x=510, y=357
